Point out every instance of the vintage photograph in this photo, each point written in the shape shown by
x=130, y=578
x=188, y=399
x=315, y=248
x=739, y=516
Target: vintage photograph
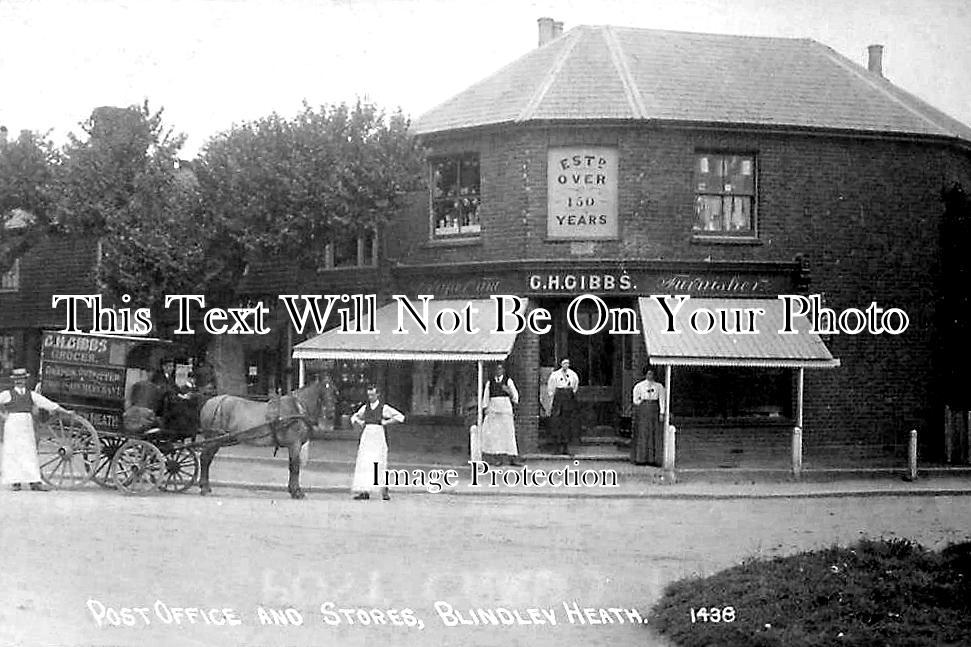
x=410, y=322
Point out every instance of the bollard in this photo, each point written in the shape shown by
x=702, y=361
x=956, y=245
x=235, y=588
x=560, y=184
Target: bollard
x=669, y=439
x=796, y=452
x=912, y=455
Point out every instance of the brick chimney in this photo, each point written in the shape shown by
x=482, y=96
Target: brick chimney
x=547, y=28
x=875, y=59
x=3, y=136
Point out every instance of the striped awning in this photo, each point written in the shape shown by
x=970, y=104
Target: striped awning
x=766, y=348
x=414, y=343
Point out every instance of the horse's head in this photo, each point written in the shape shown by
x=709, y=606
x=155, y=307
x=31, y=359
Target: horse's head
x=312, y=398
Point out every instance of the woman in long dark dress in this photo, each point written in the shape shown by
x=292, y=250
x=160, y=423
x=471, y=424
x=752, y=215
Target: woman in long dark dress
x=649, y=403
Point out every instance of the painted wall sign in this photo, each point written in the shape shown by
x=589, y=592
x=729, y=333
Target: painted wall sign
x=642, y=282
x=582, y=192
x=714, y=285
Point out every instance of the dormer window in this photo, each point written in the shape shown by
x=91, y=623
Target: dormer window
x=455, y=196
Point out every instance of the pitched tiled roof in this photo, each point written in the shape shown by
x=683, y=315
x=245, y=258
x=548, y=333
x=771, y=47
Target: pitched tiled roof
x=617, y=73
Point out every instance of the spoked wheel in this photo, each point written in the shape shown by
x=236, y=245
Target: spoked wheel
x=102, y=468
x=68, y=448
x=181, y=469
x=138, y=467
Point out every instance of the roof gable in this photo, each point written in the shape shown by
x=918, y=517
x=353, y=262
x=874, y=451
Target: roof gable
x=614, y=73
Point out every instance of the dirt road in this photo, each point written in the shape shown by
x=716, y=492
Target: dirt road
x=97, y=568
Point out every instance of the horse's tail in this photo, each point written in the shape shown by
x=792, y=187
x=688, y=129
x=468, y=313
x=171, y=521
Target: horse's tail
x=305, y=453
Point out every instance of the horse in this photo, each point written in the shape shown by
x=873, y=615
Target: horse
x=284, y=421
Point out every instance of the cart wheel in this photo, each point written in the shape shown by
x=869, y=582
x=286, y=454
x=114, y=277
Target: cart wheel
x=102, y=468
x=67, y=449
x=138, y=467
x=181, y=469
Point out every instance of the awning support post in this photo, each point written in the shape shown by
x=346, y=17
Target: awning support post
x=797, y=430
x=302, y=374
x=669, y=439
x=475, y=453
x=797, y=452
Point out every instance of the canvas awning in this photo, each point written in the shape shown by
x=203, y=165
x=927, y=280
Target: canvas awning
x=485, y=344
x=766, y=348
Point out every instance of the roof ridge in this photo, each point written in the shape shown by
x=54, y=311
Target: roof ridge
x=697, y=33
x=530, y=108
x=865, y=76
x=631, y=91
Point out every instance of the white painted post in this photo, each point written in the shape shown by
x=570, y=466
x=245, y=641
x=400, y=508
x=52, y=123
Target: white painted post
x=799, y=397
x=302, y=377
x=669, y=431
x=475, y=437
x=797, y=452
x=912, y=455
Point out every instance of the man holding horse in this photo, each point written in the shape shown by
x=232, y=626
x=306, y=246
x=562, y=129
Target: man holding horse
x=372, y=452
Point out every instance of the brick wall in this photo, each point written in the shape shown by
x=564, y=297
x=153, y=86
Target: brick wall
x=865, y=212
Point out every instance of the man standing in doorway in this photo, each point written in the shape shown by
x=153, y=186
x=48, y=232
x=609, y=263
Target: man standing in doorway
x=562, y=388
x=19, y=463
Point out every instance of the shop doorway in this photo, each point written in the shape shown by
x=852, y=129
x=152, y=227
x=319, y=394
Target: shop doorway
x=603, y=363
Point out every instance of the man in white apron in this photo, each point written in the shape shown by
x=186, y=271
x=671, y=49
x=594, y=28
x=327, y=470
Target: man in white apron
x=498, y=427
x=19, y=463
x=372, y=452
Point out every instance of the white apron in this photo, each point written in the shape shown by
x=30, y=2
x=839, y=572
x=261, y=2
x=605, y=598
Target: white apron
x=18, y=463
x=372, y=449
x=498, y=428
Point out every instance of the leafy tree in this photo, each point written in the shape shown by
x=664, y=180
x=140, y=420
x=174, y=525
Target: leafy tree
x=123, y=183
x=292, y=185
x=26, y=167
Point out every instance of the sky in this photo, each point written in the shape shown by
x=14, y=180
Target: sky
x=212, y=63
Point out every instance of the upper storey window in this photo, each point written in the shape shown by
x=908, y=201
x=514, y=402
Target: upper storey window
x=725, y=202
x=10, y=280
x=455, y=195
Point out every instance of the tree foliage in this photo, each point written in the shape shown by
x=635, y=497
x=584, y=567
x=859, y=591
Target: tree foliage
x=26, y=167
x=122, y=182
x=292, y=185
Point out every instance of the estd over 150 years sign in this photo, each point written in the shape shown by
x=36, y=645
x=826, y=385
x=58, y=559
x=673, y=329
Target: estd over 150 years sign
x=582, y=192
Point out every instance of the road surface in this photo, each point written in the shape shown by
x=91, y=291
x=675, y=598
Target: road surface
x=250, y=568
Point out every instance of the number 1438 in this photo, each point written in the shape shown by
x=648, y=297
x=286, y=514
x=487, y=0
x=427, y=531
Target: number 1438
x=713, y=614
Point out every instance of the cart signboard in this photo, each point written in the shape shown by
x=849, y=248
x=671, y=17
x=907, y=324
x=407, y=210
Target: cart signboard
x=87, y=373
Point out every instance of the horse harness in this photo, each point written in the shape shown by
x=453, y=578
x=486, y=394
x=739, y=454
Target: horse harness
x=275, y=419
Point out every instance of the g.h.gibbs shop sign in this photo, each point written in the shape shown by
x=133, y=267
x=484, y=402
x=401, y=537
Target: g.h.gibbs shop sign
x=639, y=282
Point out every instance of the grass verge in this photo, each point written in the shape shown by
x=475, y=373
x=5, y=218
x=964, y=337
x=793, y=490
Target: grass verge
x=876, y=592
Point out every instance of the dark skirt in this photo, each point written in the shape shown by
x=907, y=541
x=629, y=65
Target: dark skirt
x=646, y=445
x=564, y=419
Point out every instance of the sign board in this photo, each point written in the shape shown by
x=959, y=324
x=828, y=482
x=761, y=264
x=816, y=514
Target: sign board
x=582, y=192
x=86, y=373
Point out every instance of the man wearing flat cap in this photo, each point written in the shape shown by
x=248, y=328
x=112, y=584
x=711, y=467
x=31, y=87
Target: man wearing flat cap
x=19, y=463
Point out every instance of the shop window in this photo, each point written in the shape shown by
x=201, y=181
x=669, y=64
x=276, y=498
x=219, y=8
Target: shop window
x=361, y=251
x=455, y=196
x=442, y=389
x=8, y=355
x=740, y=393
x=10, y=280
x=725, y=198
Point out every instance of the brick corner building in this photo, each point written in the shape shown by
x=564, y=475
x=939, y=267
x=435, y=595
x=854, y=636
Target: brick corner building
x=622, y=163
